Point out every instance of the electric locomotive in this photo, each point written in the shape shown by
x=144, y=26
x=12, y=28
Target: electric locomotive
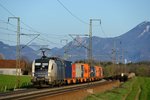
x=48, y=71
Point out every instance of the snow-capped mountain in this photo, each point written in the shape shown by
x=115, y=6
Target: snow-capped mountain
x=132, y=45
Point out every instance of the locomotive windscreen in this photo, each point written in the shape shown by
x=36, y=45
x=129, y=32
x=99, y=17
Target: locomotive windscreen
x=41, y=67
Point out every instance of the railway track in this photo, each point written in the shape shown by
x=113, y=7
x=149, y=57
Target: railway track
x=36, y=93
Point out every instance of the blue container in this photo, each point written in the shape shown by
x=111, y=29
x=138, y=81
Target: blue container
x=92, y=71
x=68, y=69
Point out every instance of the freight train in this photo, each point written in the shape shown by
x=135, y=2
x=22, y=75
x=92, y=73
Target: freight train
x=53, y=71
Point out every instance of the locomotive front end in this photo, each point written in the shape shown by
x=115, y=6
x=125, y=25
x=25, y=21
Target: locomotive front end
x=40, y=75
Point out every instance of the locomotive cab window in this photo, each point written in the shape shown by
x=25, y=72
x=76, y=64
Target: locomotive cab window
x=37, y=66
x=41, y=66
x=45, y=66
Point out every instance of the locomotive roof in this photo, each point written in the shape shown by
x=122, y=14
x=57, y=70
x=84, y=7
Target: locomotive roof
x=46, y=59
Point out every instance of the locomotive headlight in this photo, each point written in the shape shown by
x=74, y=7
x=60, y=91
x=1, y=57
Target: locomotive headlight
x=49, y=74
x=122, y=74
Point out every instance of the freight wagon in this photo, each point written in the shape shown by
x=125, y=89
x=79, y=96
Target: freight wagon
x=55, y=71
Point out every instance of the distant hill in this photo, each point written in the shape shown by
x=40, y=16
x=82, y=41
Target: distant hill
x=133, y=45
x=9, y=52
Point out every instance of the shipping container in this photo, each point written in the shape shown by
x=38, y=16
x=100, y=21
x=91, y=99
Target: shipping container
x=73, y=71
x=86, y=71
x=99, y=71
x=68, y=69
x=92, y=71
x=78, y=70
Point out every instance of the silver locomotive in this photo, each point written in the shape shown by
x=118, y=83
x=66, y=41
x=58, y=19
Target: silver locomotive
x=48, y=71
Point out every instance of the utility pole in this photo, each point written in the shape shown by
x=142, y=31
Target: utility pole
x=122, y=58
x=90, y=41
x=65, y=48
x=114, y=58
x=17, y=50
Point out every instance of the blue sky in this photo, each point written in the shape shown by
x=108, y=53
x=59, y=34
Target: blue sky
x=54, y=23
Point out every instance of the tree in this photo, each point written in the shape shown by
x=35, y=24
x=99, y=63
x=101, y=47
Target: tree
x=2, y=56
x=26, y=64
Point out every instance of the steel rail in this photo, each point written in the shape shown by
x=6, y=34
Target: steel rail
x=26, y=95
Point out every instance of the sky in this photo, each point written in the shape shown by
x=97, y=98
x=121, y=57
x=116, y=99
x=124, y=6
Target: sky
x=54, y=20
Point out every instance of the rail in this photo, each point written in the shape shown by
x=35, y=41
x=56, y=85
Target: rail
x=35, y=93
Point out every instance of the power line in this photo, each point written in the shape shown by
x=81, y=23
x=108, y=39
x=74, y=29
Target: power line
x=14, y=16
x=42, y=38
x=36, y=31
x=30, y=41
x=8, y=40
x=103, y=31
x=7, y=29
x=46, y=40
x=78, y=42
x=7, y=10
x=4, y=33
x=72, y=13
x=31, y=30
x=16, y=26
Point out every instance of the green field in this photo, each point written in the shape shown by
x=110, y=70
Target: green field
x=137, y=88
x=9, y=82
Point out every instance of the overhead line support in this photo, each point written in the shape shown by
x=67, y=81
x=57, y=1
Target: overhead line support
x=17, y=50
x=90, y=40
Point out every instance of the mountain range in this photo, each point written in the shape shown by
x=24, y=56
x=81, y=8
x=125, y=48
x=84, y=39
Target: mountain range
x=132, y=46
x=9, y=52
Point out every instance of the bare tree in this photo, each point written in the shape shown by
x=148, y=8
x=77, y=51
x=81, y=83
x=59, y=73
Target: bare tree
x=2, y=56
x=25, y=65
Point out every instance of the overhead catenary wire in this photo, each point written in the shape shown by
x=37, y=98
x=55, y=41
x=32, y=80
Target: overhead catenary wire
x=5, y=33
x=30, y=41
x=46, y=40
x=78, y=42
x=103, y=31
x=7, y=29
x=7, y=10
x=76, y=17
x=8, y=23
x=15, y=16
x=51, y=35
x=30, y=28
x=8, y=40
x=33, y=30
x=42, y=38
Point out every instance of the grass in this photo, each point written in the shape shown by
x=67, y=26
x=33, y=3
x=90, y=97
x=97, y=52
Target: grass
x=9, y=82
x=134, y=89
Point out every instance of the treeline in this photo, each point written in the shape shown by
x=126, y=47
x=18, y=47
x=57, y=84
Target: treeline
x=139, y=68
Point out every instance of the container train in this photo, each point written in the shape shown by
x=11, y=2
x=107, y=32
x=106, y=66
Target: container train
x=53, y=71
